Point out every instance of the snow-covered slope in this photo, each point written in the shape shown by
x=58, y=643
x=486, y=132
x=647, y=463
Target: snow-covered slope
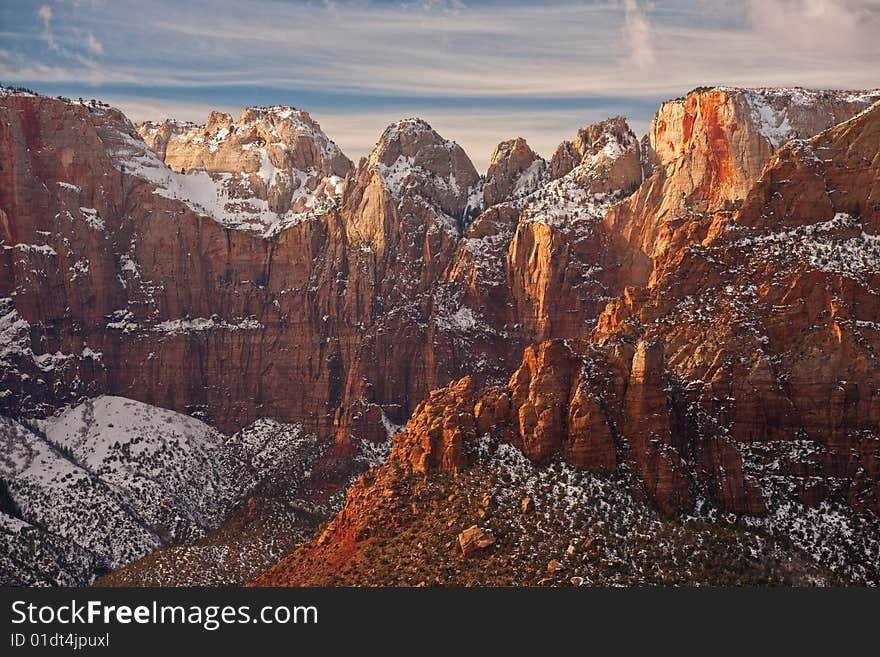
x=169, y=466
x=778, y=111
x=112, y=479
x=271, y=168
x=607, y=171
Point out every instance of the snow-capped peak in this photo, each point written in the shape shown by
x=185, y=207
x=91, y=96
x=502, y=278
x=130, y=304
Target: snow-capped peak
x=412, y=159
x=586, y=176
x=270, y=169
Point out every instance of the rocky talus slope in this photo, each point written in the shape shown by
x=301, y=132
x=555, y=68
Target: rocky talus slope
x=535, y=526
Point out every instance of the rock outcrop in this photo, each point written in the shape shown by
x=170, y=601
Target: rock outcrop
x=277, y=155
x=596, y=148
x=372, y=297
x=704, y=153
x=475, y=539
x=742, y=378
x=514, y=170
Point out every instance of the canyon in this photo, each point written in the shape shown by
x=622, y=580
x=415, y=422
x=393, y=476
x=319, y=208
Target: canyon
x=685, y=326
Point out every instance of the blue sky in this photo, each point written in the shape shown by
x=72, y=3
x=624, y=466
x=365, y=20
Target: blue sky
x=479, y=72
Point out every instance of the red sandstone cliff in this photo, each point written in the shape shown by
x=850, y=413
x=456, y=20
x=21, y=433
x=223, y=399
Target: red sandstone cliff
x=211, y=292
x=744, y=375
x=705, y=151
x=356, y=306
x=697, y=314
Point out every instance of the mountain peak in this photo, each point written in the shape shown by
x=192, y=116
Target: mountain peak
x=609, y=137
x=259, y=172
x=514, y=170
x=410, y=155
x=407, y=137
x=410, y=125
x=276, y=114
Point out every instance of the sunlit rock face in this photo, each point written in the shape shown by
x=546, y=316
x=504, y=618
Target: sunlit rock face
x=694, y=315
x=705, y=151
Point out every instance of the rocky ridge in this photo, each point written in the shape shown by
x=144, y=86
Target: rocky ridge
x=739, y=381
x=112, y=479
x=414, y=271
x=261, y=173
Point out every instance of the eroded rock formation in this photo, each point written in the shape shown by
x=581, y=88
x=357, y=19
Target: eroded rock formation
x=346, y=317
x=744, y=376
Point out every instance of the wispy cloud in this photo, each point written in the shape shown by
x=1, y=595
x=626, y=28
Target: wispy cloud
x=638, y=35
x=437, y=48
x=463, y=59
x=93, y=45
x=45, y=15
x=826, y=25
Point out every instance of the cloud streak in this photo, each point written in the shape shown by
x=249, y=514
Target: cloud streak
x=45, y=15
x=559, y=48
x=93, y=45
x=463, y=61
x=638, y=35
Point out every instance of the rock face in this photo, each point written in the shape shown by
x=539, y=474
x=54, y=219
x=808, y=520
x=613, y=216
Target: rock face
x=158, y=298
x=688, y=377
x=342, y=317
x=595, y=408
x=706, y=150
x=592, y=148
x=560, y=264
x=514, y=170
x=277, y=155
x=743, y=377
x=667, y=312
x=152, y=299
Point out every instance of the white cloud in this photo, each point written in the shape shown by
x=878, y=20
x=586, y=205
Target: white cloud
x=818, y=24
x=45, y=15
x=449, y=7
x=93, y=45
x=559, y=48
x=16, y=67
x=638, y=35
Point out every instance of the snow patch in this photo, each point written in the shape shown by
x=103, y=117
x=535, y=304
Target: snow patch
x=188, y=325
